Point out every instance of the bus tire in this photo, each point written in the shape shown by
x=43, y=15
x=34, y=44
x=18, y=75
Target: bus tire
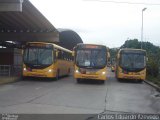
x=79, y=80
x=23, y=77
x=119, y=79
x=102, y=81
x=69, y=71
x=140, y=81
x=57, y=75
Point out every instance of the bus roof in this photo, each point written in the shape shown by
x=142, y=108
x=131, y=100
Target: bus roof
x=55, y=46
x=130, y=50
x=82, y=44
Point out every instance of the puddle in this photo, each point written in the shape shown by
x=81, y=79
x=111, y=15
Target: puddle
x=157, y=95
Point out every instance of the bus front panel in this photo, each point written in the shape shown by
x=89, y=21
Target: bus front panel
x=131, y=64
x=97, y=74
x=122, y=74
x=91, y=62
x=38, y=60
x=49, y=72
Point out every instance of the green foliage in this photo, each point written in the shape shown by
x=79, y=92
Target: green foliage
x=131, y=44
x=155, y=80
x=113, y=52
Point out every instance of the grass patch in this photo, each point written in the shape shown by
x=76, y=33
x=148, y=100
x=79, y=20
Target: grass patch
x=155, y=80
x=5, y=80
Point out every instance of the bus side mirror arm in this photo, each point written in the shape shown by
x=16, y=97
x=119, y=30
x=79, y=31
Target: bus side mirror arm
x=73, y=53
x=118, y=56
x=56, y=54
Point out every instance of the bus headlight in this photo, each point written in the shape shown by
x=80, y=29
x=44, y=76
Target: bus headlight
x=103, y=73
x=50, y=70
x=24, y=69
x=76, y=71
x=121, y=71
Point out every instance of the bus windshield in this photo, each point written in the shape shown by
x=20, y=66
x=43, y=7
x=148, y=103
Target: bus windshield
x=132, y=61
x=91, y=58
x=38, y=56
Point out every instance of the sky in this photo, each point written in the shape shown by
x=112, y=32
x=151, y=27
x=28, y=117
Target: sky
x=102, y=22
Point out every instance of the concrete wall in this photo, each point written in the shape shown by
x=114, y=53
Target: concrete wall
x=10, y=56
x=17, y=59
x=6, y=56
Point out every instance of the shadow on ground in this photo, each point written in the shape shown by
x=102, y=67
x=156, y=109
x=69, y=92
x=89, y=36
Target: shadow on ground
x=130, y=81
x=41, y=79
x=90, y=81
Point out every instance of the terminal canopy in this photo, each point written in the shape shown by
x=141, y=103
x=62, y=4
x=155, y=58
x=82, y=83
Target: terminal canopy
x=29, y=25
x=24, y=26
x=11, y=5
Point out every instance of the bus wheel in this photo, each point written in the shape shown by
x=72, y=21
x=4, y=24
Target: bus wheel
x=69, y=71
x=101, y=81
x=79, y=80
x=23, y=77
x=119, y=79
x=57, y=75
x=140, y=81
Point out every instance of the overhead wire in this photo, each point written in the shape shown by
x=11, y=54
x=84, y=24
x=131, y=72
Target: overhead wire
x=124, y=2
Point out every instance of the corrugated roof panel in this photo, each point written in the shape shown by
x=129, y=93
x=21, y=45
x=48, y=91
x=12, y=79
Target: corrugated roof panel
x=28, y=25
x=31, y=25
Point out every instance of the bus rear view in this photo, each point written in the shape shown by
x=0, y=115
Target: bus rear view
x=90, y=62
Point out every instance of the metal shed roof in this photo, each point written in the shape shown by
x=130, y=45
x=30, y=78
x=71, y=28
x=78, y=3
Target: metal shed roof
x=25, y=26
x=11, y=5
x=68, y=38
x=30, y=25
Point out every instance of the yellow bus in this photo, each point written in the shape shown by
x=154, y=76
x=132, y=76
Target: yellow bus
x=90, y=62
x=131, y=64
x=48, y=60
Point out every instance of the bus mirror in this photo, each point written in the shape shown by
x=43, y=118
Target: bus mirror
x=108, y=59
x=56, y=54
x=118, y=56
x=108, y=54
x=73, y=53
x=22, y=51
x=147, y=59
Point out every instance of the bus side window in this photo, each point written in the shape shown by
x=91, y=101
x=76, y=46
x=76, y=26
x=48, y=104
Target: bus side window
x=59, y=54
x=62, y=55
x=67, y=56
x=55, y=55
x=71, y=58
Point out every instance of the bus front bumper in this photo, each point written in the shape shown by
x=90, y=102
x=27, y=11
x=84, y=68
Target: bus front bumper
x=87, y=76
x=39, y=74
x=132, y=77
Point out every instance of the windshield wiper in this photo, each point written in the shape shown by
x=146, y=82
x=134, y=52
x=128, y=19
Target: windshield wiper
x=36, y=65
x=89, y=67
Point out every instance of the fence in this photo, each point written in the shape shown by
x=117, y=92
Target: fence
x=16, y=70
x=8, y=70
x=5, y=70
